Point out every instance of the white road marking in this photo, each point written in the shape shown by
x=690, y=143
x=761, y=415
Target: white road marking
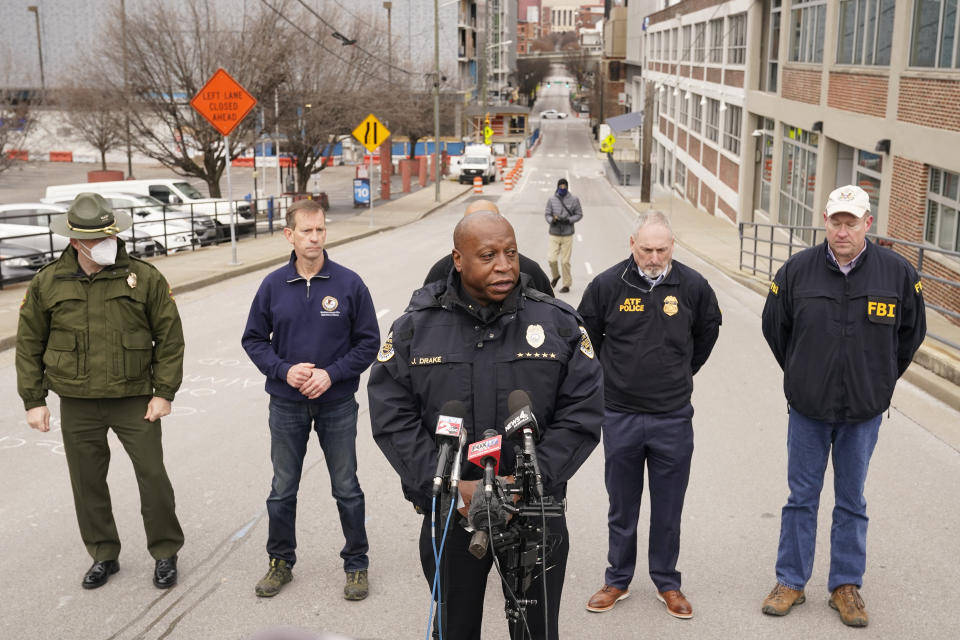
x=550, y=155
x=579, y=238
x=382, y=313
x=589, y=268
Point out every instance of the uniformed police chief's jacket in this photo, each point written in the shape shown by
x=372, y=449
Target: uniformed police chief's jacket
x=441, y=350
x=651, y=342
x=113, y=334
x=843, y=341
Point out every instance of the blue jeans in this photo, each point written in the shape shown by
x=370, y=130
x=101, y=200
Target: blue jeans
x=336, y=427
x=808, y=446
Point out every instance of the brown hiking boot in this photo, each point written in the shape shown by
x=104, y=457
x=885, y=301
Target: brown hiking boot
x=781, y=600
x=278, y=575
x=357, y=586
x=847, y=601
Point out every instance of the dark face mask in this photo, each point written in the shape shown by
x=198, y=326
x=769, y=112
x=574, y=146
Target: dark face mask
x=562, y=191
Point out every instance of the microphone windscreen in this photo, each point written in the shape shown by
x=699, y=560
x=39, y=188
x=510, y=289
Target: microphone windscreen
x=518, y=399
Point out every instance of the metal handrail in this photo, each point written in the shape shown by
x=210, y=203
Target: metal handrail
x=787, y=236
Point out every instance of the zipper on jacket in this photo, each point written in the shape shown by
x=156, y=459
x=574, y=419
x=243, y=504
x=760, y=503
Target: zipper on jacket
x=308, y=289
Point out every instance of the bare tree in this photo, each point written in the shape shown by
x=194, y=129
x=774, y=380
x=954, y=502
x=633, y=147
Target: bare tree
x=328, y=88
x=530, y=73
x=96, y=117
x=15, y=123
x=171, y=52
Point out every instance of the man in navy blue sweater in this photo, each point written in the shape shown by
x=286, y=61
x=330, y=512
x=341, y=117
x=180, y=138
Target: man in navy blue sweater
x=312, y=331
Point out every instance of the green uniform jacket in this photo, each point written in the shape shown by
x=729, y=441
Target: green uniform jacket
x=114, y=334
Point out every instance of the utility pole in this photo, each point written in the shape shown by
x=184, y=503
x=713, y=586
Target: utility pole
x=388, y=6
x=436, y=97
x=36, y=15
x=126, y=88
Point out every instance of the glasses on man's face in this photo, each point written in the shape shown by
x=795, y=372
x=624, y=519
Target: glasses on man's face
x=837, y=225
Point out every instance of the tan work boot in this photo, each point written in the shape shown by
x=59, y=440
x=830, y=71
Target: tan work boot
x=781, y=600
x=847, y=601
x=357, y=586
x=278, y=575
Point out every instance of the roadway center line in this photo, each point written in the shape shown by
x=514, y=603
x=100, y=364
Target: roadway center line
x=382, y=313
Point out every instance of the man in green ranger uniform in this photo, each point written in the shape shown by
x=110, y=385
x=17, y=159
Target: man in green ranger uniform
x=101, y=330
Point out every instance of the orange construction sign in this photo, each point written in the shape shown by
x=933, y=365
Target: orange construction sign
x=223, y=102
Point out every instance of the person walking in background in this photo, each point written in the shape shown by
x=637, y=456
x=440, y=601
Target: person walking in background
x=100, y=329
x=563, y=211
x=843, y=319
x=312, y=330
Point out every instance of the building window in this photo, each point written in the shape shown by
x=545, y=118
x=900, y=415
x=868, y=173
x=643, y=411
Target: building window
x=867, y=175
x=866, y=32
x=716, y=41
x=671, y=103
x=737, y=51
x=772, y=48
x=699, y=42
x=664, y=111
x=934, y=39
x=943, y=201
x=711, y=127
x=684, y=107
x=807, y=25
x=766, y=168
x=685, y=52
x=731, y=129
x=681, y=173
x=798, y=179
x=696, y=113
x=674, y=43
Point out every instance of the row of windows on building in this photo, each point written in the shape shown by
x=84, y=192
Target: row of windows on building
x=798, y=178
x=701, y=116
x=689, y=43
x=865, y=33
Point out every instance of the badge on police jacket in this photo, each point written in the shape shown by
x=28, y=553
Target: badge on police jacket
x=535, y=335
x=132, y=281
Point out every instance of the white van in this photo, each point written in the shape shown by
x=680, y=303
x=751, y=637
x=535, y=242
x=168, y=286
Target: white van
x=477, y=161
x=172, y=191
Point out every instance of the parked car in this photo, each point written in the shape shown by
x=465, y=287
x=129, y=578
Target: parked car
x=33, y=230
x=177, y=192
x=171, y=228
x=19, y=262
x=552, y=113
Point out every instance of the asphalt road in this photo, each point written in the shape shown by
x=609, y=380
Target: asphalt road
x=217, y=452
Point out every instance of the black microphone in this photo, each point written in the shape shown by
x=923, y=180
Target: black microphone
x=486, y=454
x=486, y=514
x=448, y=432
x=523, y=423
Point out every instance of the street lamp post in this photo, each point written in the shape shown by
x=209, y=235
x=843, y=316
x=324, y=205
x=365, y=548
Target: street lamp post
x=436, y=98
x=388, y=6
x=35, y=10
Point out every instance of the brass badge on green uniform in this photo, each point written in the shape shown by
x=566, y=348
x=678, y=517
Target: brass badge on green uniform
x=535, y=335
x=586, y=347
x=386, y=351
x=670, y=306
x=132, y=281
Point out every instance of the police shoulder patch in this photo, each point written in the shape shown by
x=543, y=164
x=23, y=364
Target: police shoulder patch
x=386, y=351
x=586, y=347
x=774, y=288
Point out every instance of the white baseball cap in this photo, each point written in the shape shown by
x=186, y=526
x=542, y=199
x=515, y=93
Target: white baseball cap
x=849, y=199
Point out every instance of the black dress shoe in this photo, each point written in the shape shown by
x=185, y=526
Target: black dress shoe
x=554, y=281
x=98, y=574
x=165, y=573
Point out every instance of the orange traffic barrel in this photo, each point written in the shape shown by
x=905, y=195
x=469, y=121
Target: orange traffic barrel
x=477, y=184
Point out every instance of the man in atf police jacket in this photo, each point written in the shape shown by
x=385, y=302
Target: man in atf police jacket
x=843, y=320
x=654, y=322
x=475, y=338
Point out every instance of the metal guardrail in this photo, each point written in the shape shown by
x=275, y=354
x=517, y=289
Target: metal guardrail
x=266, y=216
x=764, y=256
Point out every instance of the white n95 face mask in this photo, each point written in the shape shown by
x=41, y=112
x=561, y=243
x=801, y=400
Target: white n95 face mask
x=104, y=253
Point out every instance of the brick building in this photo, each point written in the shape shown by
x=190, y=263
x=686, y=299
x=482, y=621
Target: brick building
x=762, y=108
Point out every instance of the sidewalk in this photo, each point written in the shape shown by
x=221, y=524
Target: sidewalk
x=717, y=242
x=196, y=269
